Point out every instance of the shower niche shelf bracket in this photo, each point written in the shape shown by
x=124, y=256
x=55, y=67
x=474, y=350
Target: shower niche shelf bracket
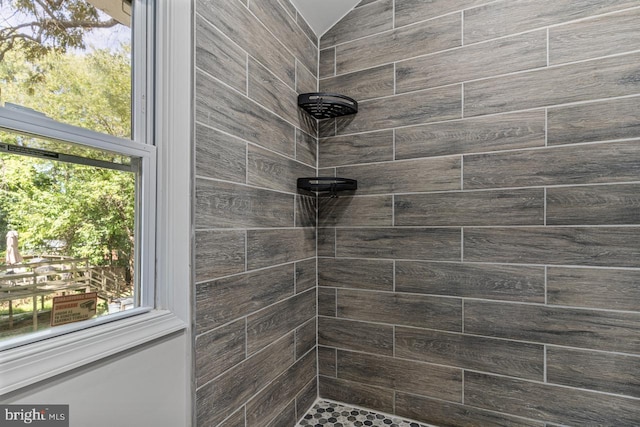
x=322, y=105
x=329, y=185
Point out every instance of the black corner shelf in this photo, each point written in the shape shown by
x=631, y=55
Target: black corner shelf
x=332, y=185
x=327, y=105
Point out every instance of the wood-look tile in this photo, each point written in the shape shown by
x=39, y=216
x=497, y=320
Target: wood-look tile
x=306, y=81
x=418, y=175
x=218, y=56
x=327, y=242
x=218, y=253
x=499, y=207
x=327, y=301
x=305, y=275
x=306, y=148
x=502, y=18
x=606, y=246
x=597, y=121
x=220, y=156
x=218, y=350
x=610, y=204
x=267, y=90
x=327, y=361
x=346, y=211
x=586, y=164
x=611, y=373
x=547, y=402
x=327, y=64
x=273, y=171
x=502, y=56
x=306, y=337
x=241, y=26
x=594, y=288
x=411, y=11
x=362, y=85
x=375, y=398
x=270, y=247
x=275, y=321
x=402, y=375
x=607, y=78
x=306, y=210
x=468, y=352
x=402, y=43
x=503, y=132
x=306, y=398
x=289, y=7
x=223, y=300
x=401, y=309
x=275, y=398
x=591, y=329
x=592, y=38
x=326, y=128
x=286, y=417
x=220, y=107
x=306, y=28
x=235, y=420
x=360, y=148
x=222, y=397
x=441, y=413
x=501, y=282
x=356, y=273
x=357, y=336
x=407, y=109
x=226, y=205
x=362, y=21
x=437, y=244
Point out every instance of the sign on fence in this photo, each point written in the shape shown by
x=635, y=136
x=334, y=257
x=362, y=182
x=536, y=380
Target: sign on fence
x=73, y=308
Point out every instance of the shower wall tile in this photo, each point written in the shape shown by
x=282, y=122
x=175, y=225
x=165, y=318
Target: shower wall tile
x=411, y=11
x=306, y=81
x=356, y=336
x=482, y=134
x=509, y=207
x=345, y=211
x=358, y=148
x=220, y=156
x=356, y=273
x=235, y=420
x=327, y=65
x=590, y=329
x=306, y=28
x=219, y=350
x=499, y=282
x=267, y=90
x=367, y=396
x=327, y=301
x=306, y=148
x=361, y=85
x=270, y=170
x=306, y=209
x=306, y=337
x=305, y=400
x=510, y=358
x=327, y=361
x=305, y=275
x=218, y=253
x=287, y=416
x=268, y=247
x=363, y=21
x=326, y=242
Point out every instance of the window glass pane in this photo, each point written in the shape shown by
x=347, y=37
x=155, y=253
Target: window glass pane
x=70, y=60
x=67, y=228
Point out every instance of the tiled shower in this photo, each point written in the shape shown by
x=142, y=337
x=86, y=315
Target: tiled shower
x=487, y=270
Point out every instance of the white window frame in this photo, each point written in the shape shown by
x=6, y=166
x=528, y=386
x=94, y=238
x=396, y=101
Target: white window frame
x=165, y=216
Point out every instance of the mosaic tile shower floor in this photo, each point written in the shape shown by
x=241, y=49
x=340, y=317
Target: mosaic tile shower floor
x=330, y=414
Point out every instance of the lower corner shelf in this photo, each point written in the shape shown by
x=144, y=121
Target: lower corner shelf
x=330, y=185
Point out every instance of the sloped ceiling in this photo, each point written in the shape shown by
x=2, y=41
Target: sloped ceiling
x=323, y=14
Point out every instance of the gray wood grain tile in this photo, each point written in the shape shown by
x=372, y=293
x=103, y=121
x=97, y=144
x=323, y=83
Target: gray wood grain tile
x=547, y=402
x=306, y=28
x=401, y=309
x=286, y=417
x=289, y=7
x=508, y=207
x=347, y=211
x=221, y=398
x=226, y=205
x=409, y=109
x=218, y=253
x=610, y=204
x=306, y=81
x=327, y=361
x=594, y=288
x=598, y=121
x=590, y=329
x=218, y=56
x=267, y=90
x=605, y=35
x=305, y=275
x=501, y=282
x=607, y=78
x=375, y=398
x=357, y=336
x=306, y=148
x=360, y=148
x=356, y=273
x=586, y=164
x=372, y=18
x=306, y=398
x=607, y=246
x=306, y=337
x=327, y=301
x=362, y=85
x=507, y=55
x=218, y=350
x=220, y=156
x=326, y=242
x=223, y=300
x=273, y=171
x=438, y=244
x=501, y=18
x=241, y=26
x=503, y=132
x=326, y=128
x=306, y=210
x=411, y=11
x=269, y=247
x=477, y=353
x=220, y=107
x=418, y=175
x=235, y=420
x=402, y=375
x=402, y=43
x=441, y=413
x=327, y=65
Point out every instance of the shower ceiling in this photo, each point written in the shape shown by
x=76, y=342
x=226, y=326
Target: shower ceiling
x=323, y=14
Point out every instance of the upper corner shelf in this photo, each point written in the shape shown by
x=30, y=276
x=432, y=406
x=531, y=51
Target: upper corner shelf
x=327, y=105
